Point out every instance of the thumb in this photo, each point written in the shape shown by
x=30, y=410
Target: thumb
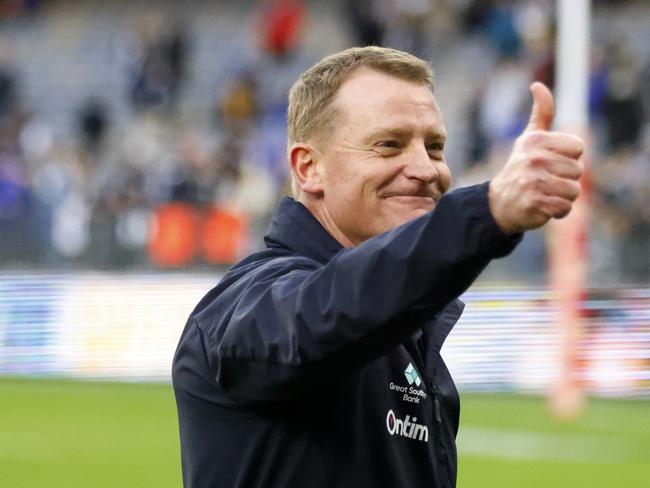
x=543, y=111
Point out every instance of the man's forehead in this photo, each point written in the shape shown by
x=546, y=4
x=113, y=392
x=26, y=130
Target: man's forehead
x=377, y=99
x=372, y=86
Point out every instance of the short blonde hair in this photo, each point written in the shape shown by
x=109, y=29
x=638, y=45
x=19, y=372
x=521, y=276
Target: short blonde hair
x=311, y=114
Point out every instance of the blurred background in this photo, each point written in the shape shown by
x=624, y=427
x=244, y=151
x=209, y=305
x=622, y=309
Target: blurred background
x=142, y=152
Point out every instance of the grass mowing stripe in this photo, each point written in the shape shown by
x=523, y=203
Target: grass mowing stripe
x=519, y=444
x=511, y=441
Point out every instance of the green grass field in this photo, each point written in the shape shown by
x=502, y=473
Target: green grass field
x=93, y=435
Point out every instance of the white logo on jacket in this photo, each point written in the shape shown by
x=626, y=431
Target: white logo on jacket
x=411, y=393
x=406, y=428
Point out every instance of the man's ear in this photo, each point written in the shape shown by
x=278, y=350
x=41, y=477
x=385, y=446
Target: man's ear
x=306, y=168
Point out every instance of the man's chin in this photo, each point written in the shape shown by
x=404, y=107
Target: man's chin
x=407, y=215
x=413, y=207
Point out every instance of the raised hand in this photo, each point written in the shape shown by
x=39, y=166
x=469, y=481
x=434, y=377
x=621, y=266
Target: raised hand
x=540, y=179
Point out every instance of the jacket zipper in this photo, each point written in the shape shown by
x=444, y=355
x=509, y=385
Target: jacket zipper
x=436, y=401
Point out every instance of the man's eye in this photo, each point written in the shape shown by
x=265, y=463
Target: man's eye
x=389, y=144
x=436, y=150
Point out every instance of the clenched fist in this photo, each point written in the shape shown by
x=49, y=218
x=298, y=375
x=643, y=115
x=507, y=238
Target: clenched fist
x=540, y=179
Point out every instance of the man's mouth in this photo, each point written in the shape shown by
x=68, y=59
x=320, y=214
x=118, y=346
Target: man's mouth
x=413, y=196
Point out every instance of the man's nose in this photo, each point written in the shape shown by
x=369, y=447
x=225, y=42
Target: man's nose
x=420, y=166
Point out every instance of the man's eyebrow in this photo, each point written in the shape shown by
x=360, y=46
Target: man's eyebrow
x=399, y=133
x=390, y=132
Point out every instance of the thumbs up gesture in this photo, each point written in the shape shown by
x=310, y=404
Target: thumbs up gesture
x=540, y=179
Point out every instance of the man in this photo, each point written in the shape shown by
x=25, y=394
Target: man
x=316, y=362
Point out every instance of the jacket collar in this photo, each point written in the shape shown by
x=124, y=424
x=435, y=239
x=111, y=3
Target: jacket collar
x=446, y=321
x=295, y=228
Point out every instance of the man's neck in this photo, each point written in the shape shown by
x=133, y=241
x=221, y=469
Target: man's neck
x=321, y=214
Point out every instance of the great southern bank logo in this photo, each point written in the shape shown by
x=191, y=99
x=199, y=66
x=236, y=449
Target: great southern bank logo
x=412, y=375
x=412, y=393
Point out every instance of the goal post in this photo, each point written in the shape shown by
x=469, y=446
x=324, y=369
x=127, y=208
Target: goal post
x=567, y=244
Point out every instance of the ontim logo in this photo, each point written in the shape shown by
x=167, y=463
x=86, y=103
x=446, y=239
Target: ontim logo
x=406, y=428
x=412, y=375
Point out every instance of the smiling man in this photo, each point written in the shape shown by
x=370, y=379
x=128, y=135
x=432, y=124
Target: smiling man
x=382, y=164
x=316, y=362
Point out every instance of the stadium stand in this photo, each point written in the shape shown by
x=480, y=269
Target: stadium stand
x=112, y=112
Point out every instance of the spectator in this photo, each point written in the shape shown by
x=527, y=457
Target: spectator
x=409, y=25
x=160, y=64
x=93, y=124
x=238, y=104
x=366, y=21
x=623, y=103
x=279, y=25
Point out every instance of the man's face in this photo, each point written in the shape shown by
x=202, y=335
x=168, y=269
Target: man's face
x=383, y=164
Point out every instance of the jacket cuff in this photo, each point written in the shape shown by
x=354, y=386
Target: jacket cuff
x=476, y=201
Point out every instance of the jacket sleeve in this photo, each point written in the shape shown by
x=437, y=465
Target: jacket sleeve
x=298, y=327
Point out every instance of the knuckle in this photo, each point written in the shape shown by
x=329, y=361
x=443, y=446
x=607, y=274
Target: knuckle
x=537, y=159
x=579, y=144
x=529, y=181
x=534, y=138
x=563, y=207
x=576, y=190
x=561, y=214
x=574, y=171
x=536, y=202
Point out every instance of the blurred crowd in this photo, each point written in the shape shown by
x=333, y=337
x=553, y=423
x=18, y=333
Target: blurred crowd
x=161, y=188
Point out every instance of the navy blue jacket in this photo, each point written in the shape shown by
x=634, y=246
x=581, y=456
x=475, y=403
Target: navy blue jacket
x=311, y=365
